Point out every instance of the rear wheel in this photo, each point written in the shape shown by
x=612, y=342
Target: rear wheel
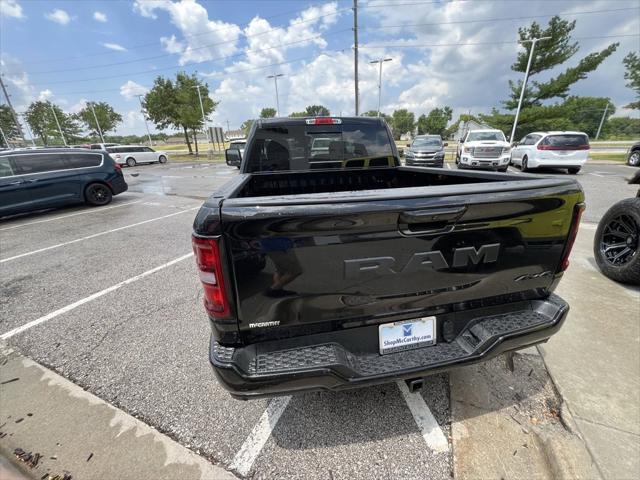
x=97, y=194
x=573, y=171
x=162, y=159
x=616, y=243
x=525, y=164
x=634, y=159
x=131, y=162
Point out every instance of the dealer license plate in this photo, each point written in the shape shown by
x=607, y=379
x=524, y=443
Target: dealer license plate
x=407, y=335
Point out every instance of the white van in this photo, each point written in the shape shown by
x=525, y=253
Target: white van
x=568, y=150
x=131, y=155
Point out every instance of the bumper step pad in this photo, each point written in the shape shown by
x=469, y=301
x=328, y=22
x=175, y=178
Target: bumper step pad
x=477, y=338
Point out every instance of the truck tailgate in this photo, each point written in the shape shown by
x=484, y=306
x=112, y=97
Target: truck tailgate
x=305, y=264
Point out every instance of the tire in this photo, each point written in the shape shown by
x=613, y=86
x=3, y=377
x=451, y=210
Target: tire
x=457, y=159
x=634, y=159
x=524, y=166
x=573, y=171
x=97, y=194
x=131, y=162
x=162, y=159
x=503, y=170
x=616, y=246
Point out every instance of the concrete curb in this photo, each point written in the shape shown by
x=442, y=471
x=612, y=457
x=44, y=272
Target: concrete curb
x=80, y=434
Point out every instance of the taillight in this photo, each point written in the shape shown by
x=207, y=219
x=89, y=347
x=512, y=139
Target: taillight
x=560, y=147
x=117, y=166
x=571, y=238
x=324, y=121
x=207, y=252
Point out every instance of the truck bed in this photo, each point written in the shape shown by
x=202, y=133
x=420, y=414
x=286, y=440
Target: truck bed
x=296, y=183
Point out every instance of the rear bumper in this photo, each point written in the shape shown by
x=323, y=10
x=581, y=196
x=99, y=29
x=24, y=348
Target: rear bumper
x=552, y=163
x=322, y=362
x=118, y=185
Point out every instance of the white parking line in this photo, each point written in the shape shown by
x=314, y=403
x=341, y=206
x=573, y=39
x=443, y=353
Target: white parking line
x=448, y=166
x=252, y=446
x=428, y=425
x=92, y=210
x=88, y=237
x=90, y=298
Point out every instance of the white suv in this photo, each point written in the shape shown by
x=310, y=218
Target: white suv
x=568, y=150
x=131, y=155
x=486, y=149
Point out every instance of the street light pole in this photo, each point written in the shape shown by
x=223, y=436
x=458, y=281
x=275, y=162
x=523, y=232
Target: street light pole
x=381, y=61
x=204, y=120
x=524, y=84
x=604, y=115
x=58, y=123
x=275, y=80
x=4, y=138
x=95, y=117
x=145, y=120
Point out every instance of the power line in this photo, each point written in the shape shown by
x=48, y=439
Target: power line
x=510, y=42
x=171, y=67
x=189, y=63
x=187, y=36
x=482, y=20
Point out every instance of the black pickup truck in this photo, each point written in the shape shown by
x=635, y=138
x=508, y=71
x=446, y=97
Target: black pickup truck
x=337, y=267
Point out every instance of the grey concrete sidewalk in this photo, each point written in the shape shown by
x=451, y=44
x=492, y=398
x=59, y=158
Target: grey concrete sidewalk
x=79, y=434
x=595, y=362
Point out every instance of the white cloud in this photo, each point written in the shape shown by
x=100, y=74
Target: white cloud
x=100, y=17
x=204, y=39
x=131, y=89
x=11, y=9
x=45, y=95
x=114, y=46
x=79, y=105
x=18, y=84
x=58, y=16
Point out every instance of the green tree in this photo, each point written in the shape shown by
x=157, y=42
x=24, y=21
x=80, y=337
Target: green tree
x=268, y=112
x=246, y=126
x=298, y=114
x=374, y=113
x=537, y=113
x=175, y=103
x=623, y=128
x=435, y=123
x=317, y=111
x=108, y=118
x=585, y=113
x=43, y=124
x=8, y=125
x=632, y=74
x=402, y=121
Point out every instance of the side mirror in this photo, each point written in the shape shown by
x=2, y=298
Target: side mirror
x=515, y=144
x=461, y=140
x=233, y=157
x=446, y=144
x=408, y=145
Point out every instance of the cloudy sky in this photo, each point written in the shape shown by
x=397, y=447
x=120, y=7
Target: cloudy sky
x=454, y=52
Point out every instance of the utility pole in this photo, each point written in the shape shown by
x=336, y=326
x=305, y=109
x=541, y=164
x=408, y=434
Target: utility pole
x=26, y=124
x=204, y=120
x=275, y=80
x=381, y=61
x=604, y=115
x=524, y=84
x=146, y=125
x=355, y=55
x=13, y=112
x=228, y=128
x=95, y=117
x=4, y=138
x=57, y=123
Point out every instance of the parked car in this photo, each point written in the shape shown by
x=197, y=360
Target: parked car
x=633, y=155
x=47, y=178
x=616, y=245
x=568, y=150
x=426, y=151
x=101, y=146
x=131, y=155
x=483, y=149
x=328, y=279
x=238, y=145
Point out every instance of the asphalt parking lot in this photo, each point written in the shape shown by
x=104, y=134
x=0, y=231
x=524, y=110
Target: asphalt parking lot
x=109, y=298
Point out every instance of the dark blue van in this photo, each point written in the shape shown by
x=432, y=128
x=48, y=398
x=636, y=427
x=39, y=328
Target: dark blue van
x=52, y=177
